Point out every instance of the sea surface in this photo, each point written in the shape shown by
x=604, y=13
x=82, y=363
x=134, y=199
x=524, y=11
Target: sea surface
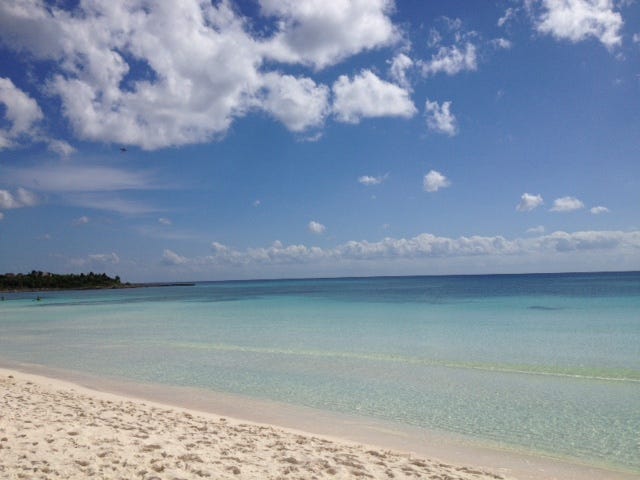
x=548, y=364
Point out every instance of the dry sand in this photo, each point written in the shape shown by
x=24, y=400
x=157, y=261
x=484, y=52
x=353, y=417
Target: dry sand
x=53, y=429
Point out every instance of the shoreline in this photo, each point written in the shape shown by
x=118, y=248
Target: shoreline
x=124, y=286
x=341, y=431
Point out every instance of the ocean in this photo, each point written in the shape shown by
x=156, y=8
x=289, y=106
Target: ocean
x=547, y=364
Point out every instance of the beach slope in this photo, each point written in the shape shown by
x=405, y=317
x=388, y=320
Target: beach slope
x=54, y=429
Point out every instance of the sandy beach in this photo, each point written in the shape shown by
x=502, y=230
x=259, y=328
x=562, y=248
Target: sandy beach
x=50, y=429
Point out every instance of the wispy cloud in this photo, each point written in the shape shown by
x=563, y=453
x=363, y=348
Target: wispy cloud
x=80, y=178
x=369, y=180
x=96, y=260
x=598, y=210
x=110, y=203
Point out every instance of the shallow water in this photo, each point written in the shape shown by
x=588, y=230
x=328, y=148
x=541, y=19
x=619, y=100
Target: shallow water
x=542, y=363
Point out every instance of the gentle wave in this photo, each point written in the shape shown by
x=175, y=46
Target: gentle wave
x=577, y=373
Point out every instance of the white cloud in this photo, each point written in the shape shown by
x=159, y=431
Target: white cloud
x=598, y=210
x=566, y=204
x=257, y=203
x=369, y=180
x=369, y=96
x=451, y=60
x=440, y=119
x=172, y=258
x=79, y=178
x=529, y=202
x=175, y=73
x=83, y=220
x=26, y=198
x=108, y=202
x=299, y=103
x=21, y=198
x=87, y=186
x=21, y=112
x=636, y=38
x=509, y=14
x=398, y=70
x=576, y=20
x=421, y=247
x=501, y=43
x=99, y=260
x=60, y=147
x=434, y=181
x=323, y=32
x=537, y=230
x=317, y=228
x=1, y=216
x=164, y=221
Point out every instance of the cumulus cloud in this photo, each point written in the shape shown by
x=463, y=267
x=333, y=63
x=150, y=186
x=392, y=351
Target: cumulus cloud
x=369, y=96
x=576, y=20
x=175, y=73
x=321, y=33
x=299, y=103
x=21, y=112
x=440, y=119
x=423, y=246
x=21, y=198
x=83, y=220
x=317, y=228
x=566, y=204
x=172, y=258
x=529, y=202
x=369, y=180
x=598, y=210
x=451, y=60
x=164, y=221
x=434, y=181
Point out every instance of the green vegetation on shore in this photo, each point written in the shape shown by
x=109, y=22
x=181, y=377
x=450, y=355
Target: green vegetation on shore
x=37, y=280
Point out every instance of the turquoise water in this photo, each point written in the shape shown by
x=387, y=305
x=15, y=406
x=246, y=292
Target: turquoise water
x=541, y=363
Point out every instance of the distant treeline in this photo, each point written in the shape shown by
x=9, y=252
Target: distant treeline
x=51, y=281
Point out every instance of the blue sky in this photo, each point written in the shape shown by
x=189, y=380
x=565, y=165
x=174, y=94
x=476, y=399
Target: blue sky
x=304, y=138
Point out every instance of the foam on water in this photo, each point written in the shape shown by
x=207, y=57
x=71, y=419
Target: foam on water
x=546, y=363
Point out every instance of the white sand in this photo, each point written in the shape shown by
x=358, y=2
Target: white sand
x=54, y=429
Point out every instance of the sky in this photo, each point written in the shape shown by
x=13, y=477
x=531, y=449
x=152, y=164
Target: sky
x=196, y=140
